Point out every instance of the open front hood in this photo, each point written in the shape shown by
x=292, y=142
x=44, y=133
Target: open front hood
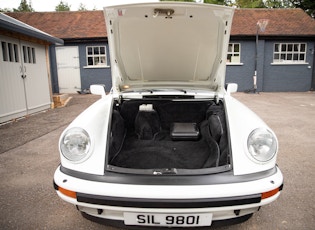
x=168, y=45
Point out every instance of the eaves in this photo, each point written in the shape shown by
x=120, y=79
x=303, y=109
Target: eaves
x=85, y=40
x=274, y=37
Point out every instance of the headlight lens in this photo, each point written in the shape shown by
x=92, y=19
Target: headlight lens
x=75, y=144
x=262, y=145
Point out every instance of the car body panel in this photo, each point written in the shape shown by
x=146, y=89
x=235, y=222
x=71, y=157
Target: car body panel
x=169, y=45
x=241, y=124
x=95, y=121
x=136, y=194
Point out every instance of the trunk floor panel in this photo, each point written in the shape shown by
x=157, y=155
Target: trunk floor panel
x=162, y=152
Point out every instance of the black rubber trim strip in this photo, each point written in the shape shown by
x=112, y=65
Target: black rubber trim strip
x=168, y=203
x=281, y=187
x=56, y=187
x=120, y=178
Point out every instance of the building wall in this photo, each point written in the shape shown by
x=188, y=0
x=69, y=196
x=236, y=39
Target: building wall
x=53, y=69
x=270, y=77
x=288, y=77
x=94, y=75
x=243, y=73
x=89, y=75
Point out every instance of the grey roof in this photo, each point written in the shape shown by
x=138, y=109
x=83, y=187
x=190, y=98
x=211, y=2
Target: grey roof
x=12, y=24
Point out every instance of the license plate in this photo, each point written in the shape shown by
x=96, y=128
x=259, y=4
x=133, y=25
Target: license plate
x=158, y=219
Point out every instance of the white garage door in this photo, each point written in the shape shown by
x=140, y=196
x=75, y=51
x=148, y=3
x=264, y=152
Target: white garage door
x=35, y=76
x=68, y=67
x=24, y=82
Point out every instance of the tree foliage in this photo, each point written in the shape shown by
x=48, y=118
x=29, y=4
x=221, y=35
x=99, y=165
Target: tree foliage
x=82, y=7
x=24, y=7
x=177, y=0
x=62, y=6
x=217, y=2
x=250, y=3
x=278, y=3
x=5, y=10
x=307, y=5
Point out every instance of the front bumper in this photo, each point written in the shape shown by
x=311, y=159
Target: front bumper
x=224, y=201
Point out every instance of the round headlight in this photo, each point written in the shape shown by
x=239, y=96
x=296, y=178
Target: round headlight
x=75, y=144
x=262, y=145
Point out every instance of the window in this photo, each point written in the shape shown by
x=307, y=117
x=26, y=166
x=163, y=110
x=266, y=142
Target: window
x=29, y=55
x=10, y=52
x=16, y=52
x=289, y=53
x=33, y=55
x=4, y=51
x=234, y=53
x=96, y=56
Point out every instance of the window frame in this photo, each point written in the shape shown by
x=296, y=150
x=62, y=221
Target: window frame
x=28, y=54
x=98, y=53
x=10, y=52
x=234, y=53
x=289, y=53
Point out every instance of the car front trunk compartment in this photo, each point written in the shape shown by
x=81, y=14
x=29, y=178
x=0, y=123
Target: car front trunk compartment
x=168, y=136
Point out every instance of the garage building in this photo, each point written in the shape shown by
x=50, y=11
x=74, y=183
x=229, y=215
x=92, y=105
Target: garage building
x=25, y=85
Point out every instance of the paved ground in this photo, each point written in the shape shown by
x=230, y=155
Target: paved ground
x=29, y=156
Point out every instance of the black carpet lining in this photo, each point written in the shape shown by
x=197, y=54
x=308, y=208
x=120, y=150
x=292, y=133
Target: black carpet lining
x=142, y=140
x=162, y=152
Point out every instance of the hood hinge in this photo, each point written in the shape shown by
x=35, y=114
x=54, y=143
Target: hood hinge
x=216, y=99
x=120, y=99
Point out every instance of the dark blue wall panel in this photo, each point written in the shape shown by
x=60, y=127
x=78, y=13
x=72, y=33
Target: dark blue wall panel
x=53, y=69
x=243, y=74
x=287, y=77
x=95, y=75
x=270, y=77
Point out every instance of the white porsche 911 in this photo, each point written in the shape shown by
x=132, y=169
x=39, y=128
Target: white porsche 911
x=168, y=146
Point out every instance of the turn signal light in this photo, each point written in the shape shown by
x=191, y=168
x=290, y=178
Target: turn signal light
x=269, y=193
x=68, y=192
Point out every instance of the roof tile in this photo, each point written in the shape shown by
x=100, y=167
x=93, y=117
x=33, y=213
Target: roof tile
x=91, y=24
x=282, y=22
x=66, y=24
